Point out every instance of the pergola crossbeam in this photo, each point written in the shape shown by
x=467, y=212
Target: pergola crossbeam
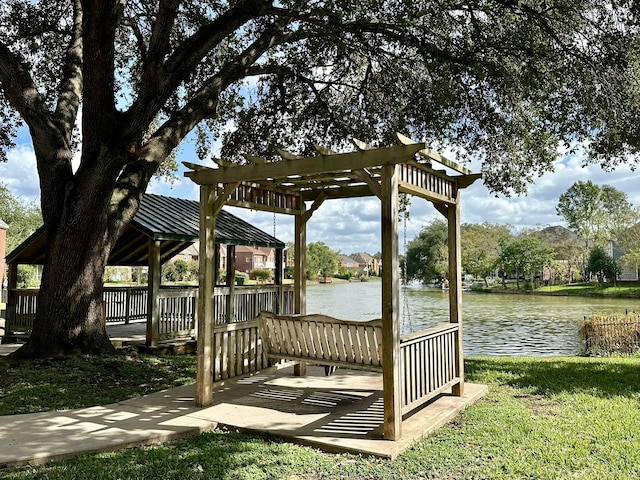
x=431, y=155
x=337, y=163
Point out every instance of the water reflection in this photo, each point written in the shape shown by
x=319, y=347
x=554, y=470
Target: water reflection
x=493, y=324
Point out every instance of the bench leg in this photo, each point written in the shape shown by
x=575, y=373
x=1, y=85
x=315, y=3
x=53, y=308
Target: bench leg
x=329, y=369
x=300, y=369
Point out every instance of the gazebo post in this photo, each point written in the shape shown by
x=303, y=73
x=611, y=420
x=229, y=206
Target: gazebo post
x=153, y=316
x=216, y=267
x=12, y=284
x=277, y=279
x=391, y=371
x=455, y=287
x=204, y=374
x=231, y=282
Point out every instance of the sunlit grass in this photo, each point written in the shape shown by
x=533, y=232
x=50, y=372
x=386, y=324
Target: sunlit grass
x=605, y=290
x=585, y=289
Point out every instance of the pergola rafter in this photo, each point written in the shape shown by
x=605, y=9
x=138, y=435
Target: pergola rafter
x=286, y=185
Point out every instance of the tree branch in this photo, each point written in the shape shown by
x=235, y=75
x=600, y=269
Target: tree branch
x=204, y=104
x=21, y=91
x=70, y=90
x=98, y=33
x=160, y=80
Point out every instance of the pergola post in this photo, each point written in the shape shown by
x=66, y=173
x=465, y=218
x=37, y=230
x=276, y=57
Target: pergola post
x=216, y=267
x=12, y=284
x=204, y=374
x=300, y=284
x=391, y=368
x=153, y=315
x=300, y=253
x=455, y=287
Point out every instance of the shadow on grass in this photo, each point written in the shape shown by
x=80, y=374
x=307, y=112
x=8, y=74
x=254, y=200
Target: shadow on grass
x=602, y=377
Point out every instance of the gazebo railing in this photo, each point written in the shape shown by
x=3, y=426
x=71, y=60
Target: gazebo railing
x=429, y=364
x=124, y=304
x=177, y=307
x=177, y=312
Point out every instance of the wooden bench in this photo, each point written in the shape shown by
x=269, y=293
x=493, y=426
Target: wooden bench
x=322, y=340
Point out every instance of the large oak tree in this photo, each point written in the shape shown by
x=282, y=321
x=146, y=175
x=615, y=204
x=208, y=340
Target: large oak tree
x=507, y=81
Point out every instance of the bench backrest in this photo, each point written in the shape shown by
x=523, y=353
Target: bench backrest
x=322, y=338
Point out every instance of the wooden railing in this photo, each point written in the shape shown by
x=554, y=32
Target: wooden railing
x=177, y=312
x=21, y=310
x=428, y=358
x=429, y=364
x=123, y=304
x=237, y=350
x=177, y=307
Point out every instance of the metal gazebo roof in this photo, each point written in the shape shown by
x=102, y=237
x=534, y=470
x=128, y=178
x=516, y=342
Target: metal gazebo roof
x=173, y=221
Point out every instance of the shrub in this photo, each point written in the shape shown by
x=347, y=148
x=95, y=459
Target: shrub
x=261, y=274
x=608, y=334
x=241, y=278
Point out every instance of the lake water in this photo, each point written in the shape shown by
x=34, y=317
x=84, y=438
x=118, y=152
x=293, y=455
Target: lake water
x=493, y=324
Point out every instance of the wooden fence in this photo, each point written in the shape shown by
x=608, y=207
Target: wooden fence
x=609, y=334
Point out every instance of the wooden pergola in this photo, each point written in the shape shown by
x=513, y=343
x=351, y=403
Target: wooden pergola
x=285, y=186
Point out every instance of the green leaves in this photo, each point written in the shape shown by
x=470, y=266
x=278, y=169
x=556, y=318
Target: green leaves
x=22, y=217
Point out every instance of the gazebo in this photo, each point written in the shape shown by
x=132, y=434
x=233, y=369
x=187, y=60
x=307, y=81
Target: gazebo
x=162, y=228
x=415, y=367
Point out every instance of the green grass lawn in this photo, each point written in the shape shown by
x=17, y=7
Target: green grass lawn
x=593, y=289
x=578, y=289
x=543, y=418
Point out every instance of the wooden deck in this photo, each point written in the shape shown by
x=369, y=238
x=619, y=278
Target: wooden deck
x=339, y=413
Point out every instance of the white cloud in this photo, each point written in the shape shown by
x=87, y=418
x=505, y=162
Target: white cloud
x=20, y=173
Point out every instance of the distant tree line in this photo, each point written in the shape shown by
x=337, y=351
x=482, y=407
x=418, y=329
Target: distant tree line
x=597, y=217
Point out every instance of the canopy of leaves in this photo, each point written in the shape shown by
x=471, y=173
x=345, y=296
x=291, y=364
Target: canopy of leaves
x=629, y=241
x=508, y=82
x=525, y=255
x=480, y=247
x=602, y=266
x=427, y=254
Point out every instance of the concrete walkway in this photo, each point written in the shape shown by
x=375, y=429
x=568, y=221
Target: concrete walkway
x=340, y=413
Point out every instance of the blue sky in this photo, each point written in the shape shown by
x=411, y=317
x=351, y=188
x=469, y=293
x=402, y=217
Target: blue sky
x=353, y=225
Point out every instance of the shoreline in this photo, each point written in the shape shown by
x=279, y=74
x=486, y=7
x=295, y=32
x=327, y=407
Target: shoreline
x=555, y=294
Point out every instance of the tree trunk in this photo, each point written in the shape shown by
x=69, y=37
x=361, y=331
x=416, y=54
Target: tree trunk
x=70, y=314
x=80, y=232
